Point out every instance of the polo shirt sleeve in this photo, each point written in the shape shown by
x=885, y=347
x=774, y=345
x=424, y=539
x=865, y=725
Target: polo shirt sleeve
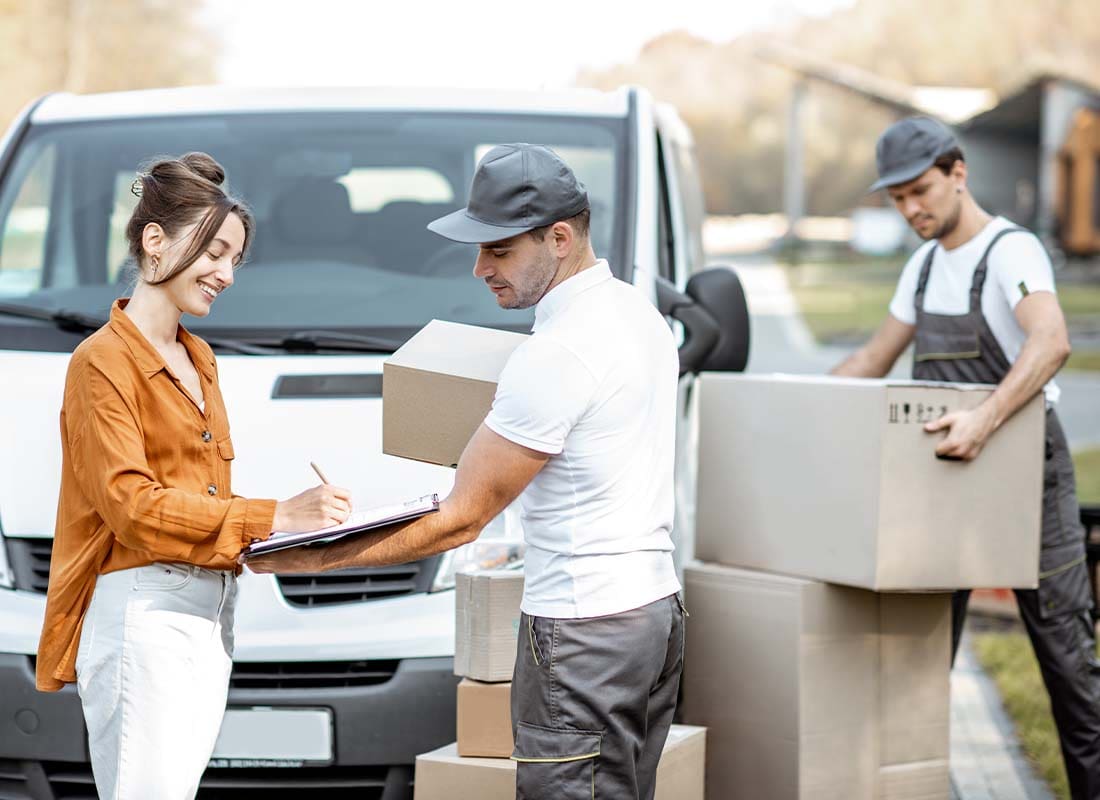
x=902, y=306
x=1019, y=265
x=544, y=390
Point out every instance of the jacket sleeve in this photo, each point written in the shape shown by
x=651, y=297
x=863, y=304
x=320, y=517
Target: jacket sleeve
x=108, y=453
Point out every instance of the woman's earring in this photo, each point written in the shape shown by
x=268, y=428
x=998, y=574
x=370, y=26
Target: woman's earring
x=156, y=265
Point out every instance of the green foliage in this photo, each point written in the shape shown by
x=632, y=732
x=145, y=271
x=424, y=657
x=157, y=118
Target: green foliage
x=1010, y=661
x=1087, y=467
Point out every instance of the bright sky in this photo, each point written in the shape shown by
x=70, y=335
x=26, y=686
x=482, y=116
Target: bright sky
x=479, y=43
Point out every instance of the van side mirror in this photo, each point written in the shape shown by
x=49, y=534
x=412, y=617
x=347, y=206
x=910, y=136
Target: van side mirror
x=715, y=316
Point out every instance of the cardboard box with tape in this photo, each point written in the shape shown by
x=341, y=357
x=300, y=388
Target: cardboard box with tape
x=484, y=719
x=444, y=775
x=487, y=623
x=836, y=480
x=439, y=386
x=816, y=691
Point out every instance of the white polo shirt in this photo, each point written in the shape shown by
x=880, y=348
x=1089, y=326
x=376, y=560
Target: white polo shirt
x=1018, y=265
x=595, y=387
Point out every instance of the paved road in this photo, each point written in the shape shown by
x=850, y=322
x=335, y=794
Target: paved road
x=986, y=759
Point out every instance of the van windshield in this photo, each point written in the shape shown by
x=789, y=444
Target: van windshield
x=341, y=201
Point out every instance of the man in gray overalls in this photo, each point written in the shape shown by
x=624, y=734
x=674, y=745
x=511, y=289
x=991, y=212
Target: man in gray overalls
x=978, y=299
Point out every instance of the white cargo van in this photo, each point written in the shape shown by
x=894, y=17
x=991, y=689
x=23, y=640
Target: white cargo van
x=342, y=183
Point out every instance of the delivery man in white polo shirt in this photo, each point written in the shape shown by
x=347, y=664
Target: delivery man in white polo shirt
x=582, y=431
x=978, y=302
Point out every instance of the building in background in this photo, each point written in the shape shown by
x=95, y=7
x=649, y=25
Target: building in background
x=1033, y=158
x=1034, y=153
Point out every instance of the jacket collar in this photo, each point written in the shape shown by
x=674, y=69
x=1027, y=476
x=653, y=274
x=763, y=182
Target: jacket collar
x=148, y=359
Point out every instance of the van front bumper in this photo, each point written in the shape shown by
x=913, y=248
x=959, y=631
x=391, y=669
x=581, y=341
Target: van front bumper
x=378, y=732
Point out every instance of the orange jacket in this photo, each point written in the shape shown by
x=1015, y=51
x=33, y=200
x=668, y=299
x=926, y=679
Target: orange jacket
x=145, y=477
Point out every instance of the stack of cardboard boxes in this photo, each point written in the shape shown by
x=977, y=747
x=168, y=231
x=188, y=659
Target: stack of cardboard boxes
x=829, y=534
x=478, y=766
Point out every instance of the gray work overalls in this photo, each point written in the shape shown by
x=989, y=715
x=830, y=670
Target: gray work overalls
x=962, y=348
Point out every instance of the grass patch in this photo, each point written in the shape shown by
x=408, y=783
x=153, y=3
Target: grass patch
x=844, y=302
x=1010, y=661
x=843, y=312
x=1085, y=360
x=1087, y=464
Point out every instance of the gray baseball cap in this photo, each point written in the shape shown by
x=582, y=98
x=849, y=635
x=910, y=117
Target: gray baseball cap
x=908, y=148
x=516, y=188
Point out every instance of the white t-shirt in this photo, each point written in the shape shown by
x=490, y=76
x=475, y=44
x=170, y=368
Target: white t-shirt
x=1018, y=260
x=595, y=387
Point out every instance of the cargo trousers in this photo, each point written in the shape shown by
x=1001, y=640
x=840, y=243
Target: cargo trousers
x=593, y=701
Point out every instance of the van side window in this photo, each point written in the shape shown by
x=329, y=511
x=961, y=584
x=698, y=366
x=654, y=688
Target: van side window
x=693, y=203
x=23, y=237
x=122, y=206
x=666, y=244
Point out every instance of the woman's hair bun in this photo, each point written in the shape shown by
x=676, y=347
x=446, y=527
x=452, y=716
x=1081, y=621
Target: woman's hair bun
x=204, y=166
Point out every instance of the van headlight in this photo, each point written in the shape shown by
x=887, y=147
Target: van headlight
x=500, y=546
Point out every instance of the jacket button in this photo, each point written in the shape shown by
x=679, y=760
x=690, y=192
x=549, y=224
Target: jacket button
x=206, y=437
x=211, y=490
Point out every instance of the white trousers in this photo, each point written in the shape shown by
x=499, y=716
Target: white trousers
x=153, y=674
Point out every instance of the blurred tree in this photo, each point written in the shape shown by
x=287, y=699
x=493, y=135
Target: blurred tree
x=100, y=45
x=736, y=104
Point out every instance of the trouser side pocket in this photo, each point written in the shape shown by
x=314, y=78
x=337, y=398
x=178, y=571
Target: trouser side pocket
x=558, y=763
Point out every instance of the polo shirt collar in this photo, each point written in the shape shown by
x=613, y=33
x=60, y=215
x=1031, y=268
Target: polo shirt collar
x=571, y=288
x=149, y=360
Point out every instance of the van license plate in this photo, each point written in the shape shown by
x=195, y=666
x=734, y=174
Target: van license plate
x=274, y=737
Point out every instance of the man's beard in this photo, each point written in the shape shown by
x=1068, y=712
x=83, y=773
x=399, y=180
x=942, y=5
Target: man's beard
x=532, y=285
x=949, y=224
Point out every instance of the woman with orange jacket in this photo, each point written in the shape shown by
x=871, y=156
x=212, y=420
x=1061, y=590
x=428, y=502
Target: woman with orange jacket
x=139, y=611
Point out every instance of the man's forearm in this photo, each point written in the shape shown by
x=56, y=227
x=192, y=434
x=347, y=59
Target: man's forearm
x=426, y=536
x=1042, y=355
x=857, y=365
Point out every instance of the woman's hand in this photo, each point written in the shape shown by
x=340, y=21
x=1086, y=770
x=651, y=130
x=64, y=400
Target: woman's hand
x=319, y=507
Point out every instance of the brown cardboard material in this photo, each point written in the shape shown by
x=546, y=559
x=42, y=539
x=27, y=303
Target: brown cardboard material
x=438, y=387
x=809, y=689
x=914, y=678
x=484, y=719
x=925, y=780
x=443, y=775
x=487, y=623
x=835, y=479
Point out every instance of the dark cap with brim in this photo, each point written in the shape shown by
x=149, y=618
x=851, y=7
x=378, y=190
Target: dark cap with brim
x=909, y=148
x=516, y=188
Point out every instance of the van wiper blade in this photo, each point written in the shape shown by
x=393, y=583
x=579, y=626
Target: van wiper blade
x=77, y=322
x=237, y=346
x=73, y=321
x=310, y=341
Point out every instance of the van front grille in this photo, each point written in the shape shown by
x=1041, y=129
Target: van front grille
x=358, y=585
x=30, y=563
x=73, y=781
x=310, y=674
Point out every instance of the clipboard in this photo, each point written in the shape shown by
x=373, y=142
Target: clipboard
x=359, y=522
